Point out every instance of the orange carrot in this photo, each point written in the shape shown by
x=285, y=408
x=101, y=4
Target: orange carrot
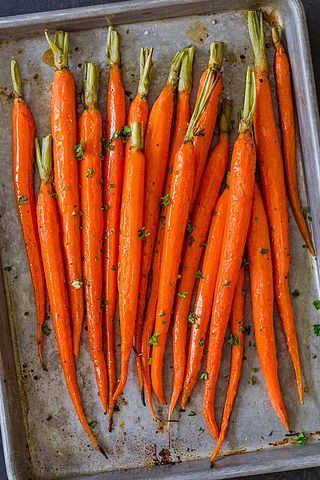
x=200, y=316
x=202, y=140
x=285, y=99
x=64, y=135
x=53, y=262
x=131, y=230
x=139, y=110
x=23, y=136
x=156, y=151
x=113, y=175
x=180, y=127
x=237, y=222
x=178, y=202
x=236, y=342
x=274, y=190
x=261, y=278
x=90, y=126
x=193, y=248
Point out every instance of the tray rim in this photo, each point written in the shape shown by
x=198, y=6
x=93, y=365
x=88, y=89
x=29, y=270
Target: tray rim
x=23, y=24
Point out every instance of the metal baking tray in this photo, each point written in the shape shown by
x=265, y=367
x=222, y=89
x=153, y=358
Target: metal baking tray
x=41, y=435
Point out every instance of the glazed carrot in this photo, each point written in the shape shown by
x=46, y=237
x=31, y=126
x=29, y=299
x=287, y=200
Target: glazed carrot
x=178, y=203
x=274, y=190
x=193, y=248
x=261, y=278
x=90, y=127
x=180, y=127
x=285, y=100
x=23, y=136
x=241, y=182
x=64, y=135
x=202, y=141
x=131, y=228
x=236, y=341
x=113, y=174
x=200, y=316
x=53, y=262
x=139, y=110
x=156, y=151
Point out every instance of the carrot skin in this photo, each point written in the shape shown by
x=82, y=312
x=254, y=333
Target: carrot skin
x=113, y=177
x=274, y=190
x=53, y=262
x=23, y=155
x=286, y=109
x=131, y=220
x=193, y=249
x=90, y=125
x=176, y=221
x=180, y=128
x=207, y=123
x=261, y=278
x=204, y=297
x=234, y=238
x=236, y=327
x=64, y=134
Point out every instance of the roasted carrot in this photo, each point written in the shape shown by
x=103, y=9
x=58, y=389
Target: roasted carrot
x=286, y=109
x=178, y=202
x=65, y=154
x=236, y=342
x=241, y=182
x=139, y=110
x=90, y=128
x=113, y=175
x=200, y=221
x=53, y=262
x=131, y=230
x=200, y=316
x=274, y=190
x=156, y=151
x=202, y=140
x=180, y=127
x=261, y=278
x=23, y=156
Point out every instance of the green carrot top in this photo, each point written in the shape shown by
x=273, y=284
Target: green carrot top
x=255, y=23
x=185, y=77
x=91, y=84
x=44, y=158
x=249, y=107
x=113, y=47
x=146, y=65
x=59, y=47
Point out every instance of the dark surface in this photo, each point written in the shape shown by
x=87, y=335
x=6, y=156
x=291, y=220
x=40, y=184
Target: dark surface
x=16, y=7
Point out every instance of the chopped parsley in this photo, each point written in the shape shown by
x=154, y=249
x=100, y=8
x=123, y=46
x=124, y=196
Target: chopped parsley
x=245, y=262
x=316, y=304
x=90, y=172
x=182, y=294
x=246, y=329
x=191, y=317
x=203, y=376
x=165, y=200
x=199, y=274
x=154, y=340
x=295, y=293
x=316, y=329
x=301, y=438
x=201, y=342
x=263, y=251
x=161, y=313
x=192, y=413
x=201, y=429
x=227, y=284
x=79, y=149
x=76, y=284
x=143, y=232
x=93, y=424
x=8, y=268
x=233, y=340
x=191, y=240
x=113, y=267
x=189, y=228
x=22, y=200
x=46, y=330
x=252, y=380
x=53, y=195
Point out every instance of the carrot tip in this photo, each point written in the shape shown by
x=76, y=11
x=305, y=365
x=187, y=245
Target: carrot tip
x=103, y=452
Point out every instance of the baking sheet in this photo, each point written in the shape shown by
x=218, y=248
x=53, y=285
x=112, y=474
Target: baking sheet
x=57, y=447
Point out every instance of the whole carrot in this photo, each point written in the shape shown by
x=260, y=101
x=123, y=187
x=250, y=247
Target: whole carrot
x=261, y=278
x=131, y=227
x=53, y=262
x=178, y=203
x=90, y=127
x=202, y=140
x=113, y=175
x=274, y=190
x=236, y=342
x=200, y=316
x=23, y=156
x=241, y=182
x=64, y=135
x=139, y=110
x=285, y=100
x=180, y=127
x=156, y=151
x=193, y=248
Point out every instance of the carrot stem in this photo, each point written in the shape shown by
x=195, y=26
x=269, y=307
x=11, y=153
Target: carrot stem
x=175, y=68
x=216, y=55
x=185, y=76
x=113, y=47
x=91, y=84
x=249, y=107
x=146, y=65
x=44, y=158
x=255, y=23
x=59, y=47
x=16, y=80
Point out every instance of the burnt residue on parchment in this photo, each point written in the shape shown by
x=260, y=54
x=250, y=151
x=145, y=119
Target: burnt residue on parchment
x=197, y=32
